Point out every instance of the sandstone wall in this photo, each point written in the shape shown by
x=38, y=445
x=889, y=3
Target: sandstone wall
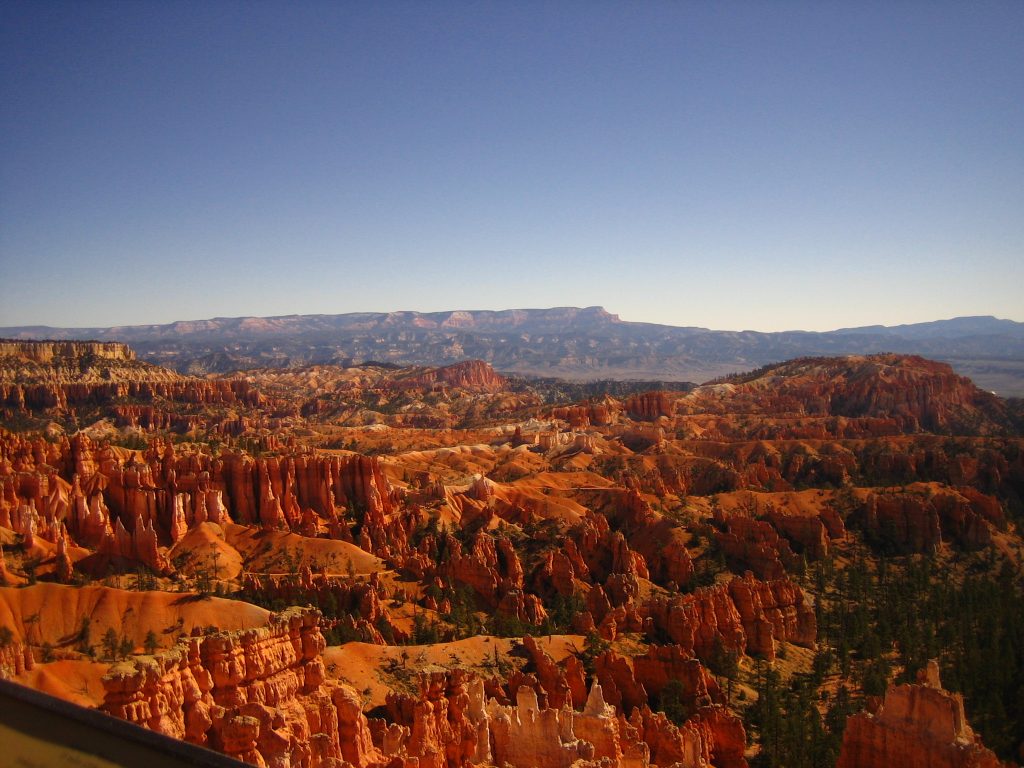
x=917, y=726
x=47, y=351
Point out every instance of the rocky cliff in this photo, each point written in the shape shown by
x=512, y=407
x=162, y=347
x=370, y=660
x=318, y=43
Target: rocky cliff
x=914, y=393
x=472, y=375
x=261, y=695
x=917, y=726
x=50, y=352
x=68, y=381
x=134, y=508
x=257, y=695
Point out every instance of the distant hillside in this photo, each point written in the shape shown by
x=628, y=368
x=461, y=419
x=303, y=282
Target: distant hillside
x=568, y=342
x=911, y=392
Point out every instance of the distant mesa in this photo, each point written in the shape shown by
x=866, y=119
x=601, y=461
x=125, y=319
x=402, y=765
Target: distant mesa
x=576, y=343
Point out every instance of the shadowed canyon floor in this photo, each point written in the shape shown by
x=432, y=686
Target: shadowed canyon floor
x=382, y=566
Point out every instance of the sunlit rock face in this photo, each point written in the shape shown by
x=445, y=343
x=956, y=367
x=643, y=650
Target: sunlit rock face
x=916, y=725
x=504, y=575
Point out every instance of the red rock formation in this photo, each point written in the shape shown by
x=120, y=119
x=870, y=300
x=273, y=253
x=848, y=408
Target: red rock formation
x=492, y=569
x=669, y=744
x=660, y=541
x=605, y=547
x=354, y=735
x=773, y=610
x=448, y=725
x=5, y=576
x=526, y=736
x=562, y=685
x=522, y=606
x=15, y=659
x=635, y=683
x=558, y=572
x=62, y=396
x=64, y=569
x=745, y=615
x=713, y=736
x=133, y=507
x=919, y=516
x=473, y=375
x=51, y=352
x=699, y=621
x=255, y=694
x=810, y=535
x=724, y=732
x=649, y=406
x=582, y=416
x=916, y=726
x=358, y=605
x=987, y=465
x=618, y=682
x=445, y=725
x=754, y=545
x=907, y=521
x=663, y=663
x=596, y=553
x=967, y=517
x=912, y=392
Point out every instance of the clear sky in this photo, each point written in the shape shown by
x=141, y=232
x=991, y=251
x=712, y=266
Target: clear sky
x=765, y=165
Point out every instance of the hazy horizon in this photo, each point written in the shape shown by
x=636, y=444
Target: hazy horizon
x=779, y=166
x=479, y=309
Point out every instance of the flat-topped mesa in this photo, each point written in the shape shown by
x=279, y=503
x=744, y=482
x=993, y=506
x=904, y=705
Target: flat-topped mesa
x=48, y=351
x=917, y=726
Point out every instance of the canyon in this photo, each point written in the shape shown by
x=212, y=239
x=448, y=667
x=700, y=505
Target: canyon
x=374, y=565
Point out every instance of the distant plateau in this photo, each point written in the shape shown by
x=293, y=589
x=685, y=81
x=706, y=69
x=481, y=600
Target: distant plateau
x=563, y=342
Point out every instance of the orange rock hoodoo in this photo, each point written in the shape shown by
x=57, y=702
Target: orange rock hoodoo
x=649, y=406
x=473, y=375
x=500, y=513
x=257, y=694
x=747, y=615
x=15, y=659
x=109, y=500
x=917, y=726
x=260, y=695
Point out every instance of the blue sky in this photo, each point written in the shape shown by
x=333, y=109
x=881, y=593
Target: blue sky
x=764, y=165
